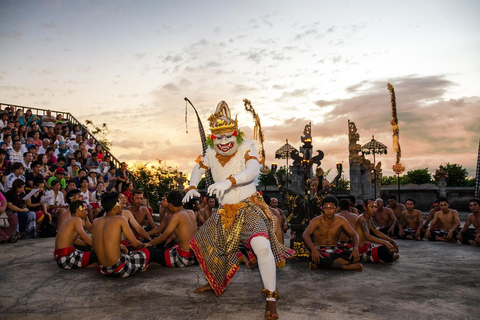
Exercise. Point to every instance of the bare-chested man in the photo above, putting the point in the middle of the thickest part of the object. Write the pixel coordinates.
(467, 235)
(368, 234)
(136, 228)
(167, 217)
(449, 223)
(345, 241)
(139, 211)
(431, 214)
(281, 215)
(384, 218)
(209, 209)
(397, 209)
(325, 229)
(194, 206)
(203, 200)
(106, 238)
(184, 225)
(411, 223)
(279, 219)
(65, 253)
(74, 195)
(353, 204)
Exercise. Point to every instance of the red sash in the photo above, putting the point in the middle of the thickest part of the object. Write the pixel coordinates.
(58, 253)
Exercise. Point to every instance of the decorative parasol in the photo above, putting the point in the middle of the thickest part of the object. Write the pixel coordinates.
(285, 151)
(374, 147)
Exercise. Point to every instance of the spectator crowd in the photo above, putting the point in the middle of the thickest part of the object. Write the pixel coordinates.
(42, 158)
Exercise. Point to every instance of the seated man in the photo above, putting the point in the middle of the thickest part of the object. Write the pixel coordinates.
(72, 195)
(449, 224)
(140, 212)
(167, 217)
(353, 204)
(397, 209)
(209, 209)
(384, 218)
(325, 229)
(184, 225)
(345, 241)
(467, 235)
(411, 223)
(282, 220)
(431, 214)
(106, 238)
(194, 205)
(136, 228)
(65, 253)
(367, 234)
(476, 241)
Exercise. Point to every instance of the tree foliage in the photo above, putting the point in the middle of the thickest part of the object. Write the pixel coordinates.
(419, 176)
(155, 180)
(457, 175)
(100, 133)
(268, 179)
(343, 185)
(388, 180)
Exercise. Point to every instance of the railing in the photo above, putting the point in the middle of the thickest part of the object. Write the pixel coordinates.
(66, 116)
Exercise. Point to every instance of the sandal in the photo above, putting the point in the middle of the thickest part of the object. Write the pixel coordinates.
(13, 239)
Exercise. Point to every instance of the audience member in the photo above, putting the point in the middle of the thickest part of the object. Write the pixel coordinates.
(27, 225)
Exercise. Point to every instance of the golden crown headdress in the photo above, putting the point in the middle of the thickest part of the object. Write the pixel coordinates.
(221, 121)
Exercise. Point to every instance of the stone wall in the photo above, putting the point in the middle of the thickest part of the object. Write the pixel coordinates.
(425, 194)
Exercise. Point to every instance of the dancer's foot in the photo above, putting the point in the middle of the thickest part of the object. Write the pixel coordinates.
(313, 266)
(204, 288)
(250, 264)
(271, 310)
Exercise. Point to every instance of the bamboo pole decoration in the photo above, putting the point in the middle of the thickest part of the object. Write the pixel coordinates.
(398, 168)
(257, 130)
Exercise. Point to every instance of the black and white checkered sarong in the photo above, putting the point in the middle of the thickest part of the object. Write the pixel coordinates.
(71, 258)
(127, 265)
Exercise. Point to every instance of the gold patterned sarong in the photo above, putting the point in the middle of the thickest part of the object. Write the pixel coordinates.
(216, 243)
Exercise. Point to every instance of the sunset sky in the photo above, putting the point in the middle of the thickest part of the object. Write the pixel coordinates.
(131, 63)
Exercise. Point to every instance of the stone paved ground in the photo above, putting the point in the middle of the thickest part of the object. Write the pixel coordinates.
(430, 281)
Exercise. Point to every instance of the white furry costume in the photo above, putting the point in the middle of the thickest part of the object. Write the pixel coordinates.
(243, 217)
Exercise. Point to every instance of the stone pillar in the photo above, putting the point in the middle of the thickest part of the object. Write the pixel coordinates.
(442, 175)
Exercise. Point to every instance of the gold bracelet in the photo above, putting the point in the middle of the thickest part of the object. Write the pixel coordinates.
(190, 188)
(232, 180)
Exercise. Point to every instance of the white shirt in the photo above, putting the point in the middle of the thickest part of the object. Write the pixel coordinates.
(10, 179)
(51, 200)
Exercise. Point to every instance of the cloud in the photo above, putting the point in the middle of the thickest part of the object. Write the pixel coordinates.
(171, 87)
(306, 33)
(42, 72)
(172, 58)
(294, 93)
(128, 144)
(49, 25)
(139, 56)
(426, 120)
(10, 35)
(331, 29)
